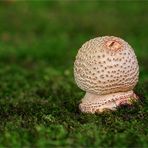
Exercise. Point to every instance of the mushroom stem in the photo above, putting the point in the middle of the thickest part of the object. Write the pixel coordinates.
(92, 103)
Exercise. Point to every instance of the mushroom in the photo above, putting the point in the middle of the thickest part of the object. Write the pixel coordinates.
(107, 69)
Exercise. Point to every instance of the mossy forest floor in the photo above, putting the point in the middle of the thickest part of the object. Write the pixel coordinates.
(38, 96)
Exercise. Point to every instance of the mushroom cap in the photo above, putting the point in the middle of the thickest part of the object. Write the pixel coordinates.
(106, 65)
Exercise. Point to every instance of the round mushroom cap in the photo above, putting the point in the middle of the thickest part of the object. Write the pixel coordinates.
(106, 65)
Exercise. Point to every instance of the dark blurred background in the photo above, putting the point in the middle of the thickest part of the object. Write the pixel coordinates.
(49, 28)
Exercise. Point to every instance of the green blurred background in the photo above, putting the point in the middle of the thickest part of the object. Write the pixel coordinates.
(38, 97)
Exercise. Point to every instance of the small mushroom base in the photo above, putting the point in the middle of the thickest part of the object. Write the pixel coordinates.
(92, 103)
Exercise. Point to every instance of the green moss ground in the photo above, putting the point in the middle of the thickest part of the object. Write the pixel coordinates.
(38, 97)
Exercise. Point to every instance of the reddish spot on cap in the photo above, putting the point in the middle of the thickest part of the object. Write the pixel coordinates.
(113, 45)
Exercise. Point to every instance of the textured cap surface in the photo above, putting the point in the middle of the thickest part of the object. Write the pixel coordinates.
(106, 65)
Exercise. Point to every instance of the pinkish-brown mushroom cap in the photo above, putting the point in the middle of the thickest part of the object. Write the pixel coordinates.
(106, 65)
